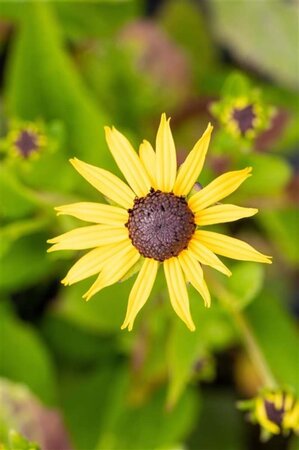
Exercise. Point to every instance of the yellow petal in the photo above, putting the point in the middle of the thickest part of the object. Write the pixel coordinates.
(219, 188)
(192, 166)
(114, 269)
(95, 212)
(263, 419)
(88, 237)
(222, 213)
(148, 158)
(230, 247)
(105, 182)
(92, 262)
(140, 291)
(193, 273)
(177, 291)
(165, 157)
(128, 161)
(205, 256)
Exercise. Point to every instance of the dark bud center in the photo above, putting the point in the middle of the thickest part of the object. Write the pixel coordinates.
(244, 118)
(27, 142)
(160, 225)
(274, 414)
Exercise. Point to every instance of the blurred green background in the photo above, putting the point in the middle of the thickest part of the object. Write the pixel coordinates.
(70, 379)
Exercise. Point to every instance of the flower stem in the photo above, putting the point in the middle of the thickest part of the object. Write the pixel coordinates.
(230, 303)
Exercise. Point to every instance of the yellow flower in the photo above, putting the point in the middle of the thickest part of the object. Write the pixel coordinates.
(155, 221)
(276, 411)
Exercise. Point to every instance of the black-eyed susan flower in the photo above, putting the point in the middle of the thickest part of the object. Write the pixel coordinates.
(276, 411)
(155, 222)
(26, 139)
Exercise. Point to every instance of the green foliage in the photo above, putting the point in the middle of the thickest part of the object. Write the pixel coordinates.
(24, 357)
(69, 69)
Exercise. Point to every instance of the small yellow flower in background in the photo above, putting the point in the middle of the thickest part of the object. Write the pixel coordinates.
(155, 221)
(276, 411)
(26, 140)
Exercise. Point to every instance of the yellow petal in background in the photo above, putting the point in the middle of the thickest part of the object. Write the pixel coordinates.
(177, 291)
(193, 273)
(206, 256)
(191, 167)
(114, 269)
(222, 213)
(148, 159)
(88, 237)
(105, 182)
(95, 212)
(219, 188)
(230, 247)
(140, 291)
(128, 162)
(165, 157)
(92, 262)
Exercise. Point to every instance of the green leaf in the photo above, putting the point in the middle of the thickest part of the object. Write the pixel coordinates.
(241, 25)
(16, 201)
(277, 336)
(270, 174)
(246, 282)
(25, 263)
(282, 227)
(185, 350)
(24, 358)
(146, 426)
(92, 20)
(104, 312)
(42, 80)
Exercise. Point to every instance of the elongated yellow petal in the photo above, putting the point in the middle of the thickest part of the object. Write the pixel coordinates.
(92, 262)
(147, 156)
(177, 291)
(192, 166)
(105, 182)
(205, 256)
(89, 237)
(193, 273)
(165, 157)
(128, 161)
(114, 269)
(222, 213)
(95, 212)
(140, 291)
(230, 247)
(219, 188)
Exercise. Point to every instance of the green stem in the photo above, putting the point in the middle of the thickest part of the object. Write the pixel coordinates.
(230, 303)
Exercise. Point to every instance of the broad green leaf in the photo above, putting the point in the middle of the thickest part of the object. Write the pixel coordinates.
(148, 425)
(93, 19)
(24, 358)
(73, 345)
(42, 80)
(186, 350)
(242, 27)
(282, 227)
(25, 263)
(246, 282)
(276, 334)
(16, 199)
(15, 230)
(270, 174)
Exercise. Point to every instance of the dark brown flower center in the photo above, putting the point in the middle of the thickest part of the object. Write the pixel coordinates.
(160, 225)
(274, 414)
(244, 118)
(27, 142)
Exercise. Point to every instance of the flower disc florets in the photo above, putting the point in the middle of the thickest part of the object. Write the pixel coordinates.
(244, 117)
(27, 142)
(160, 225)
